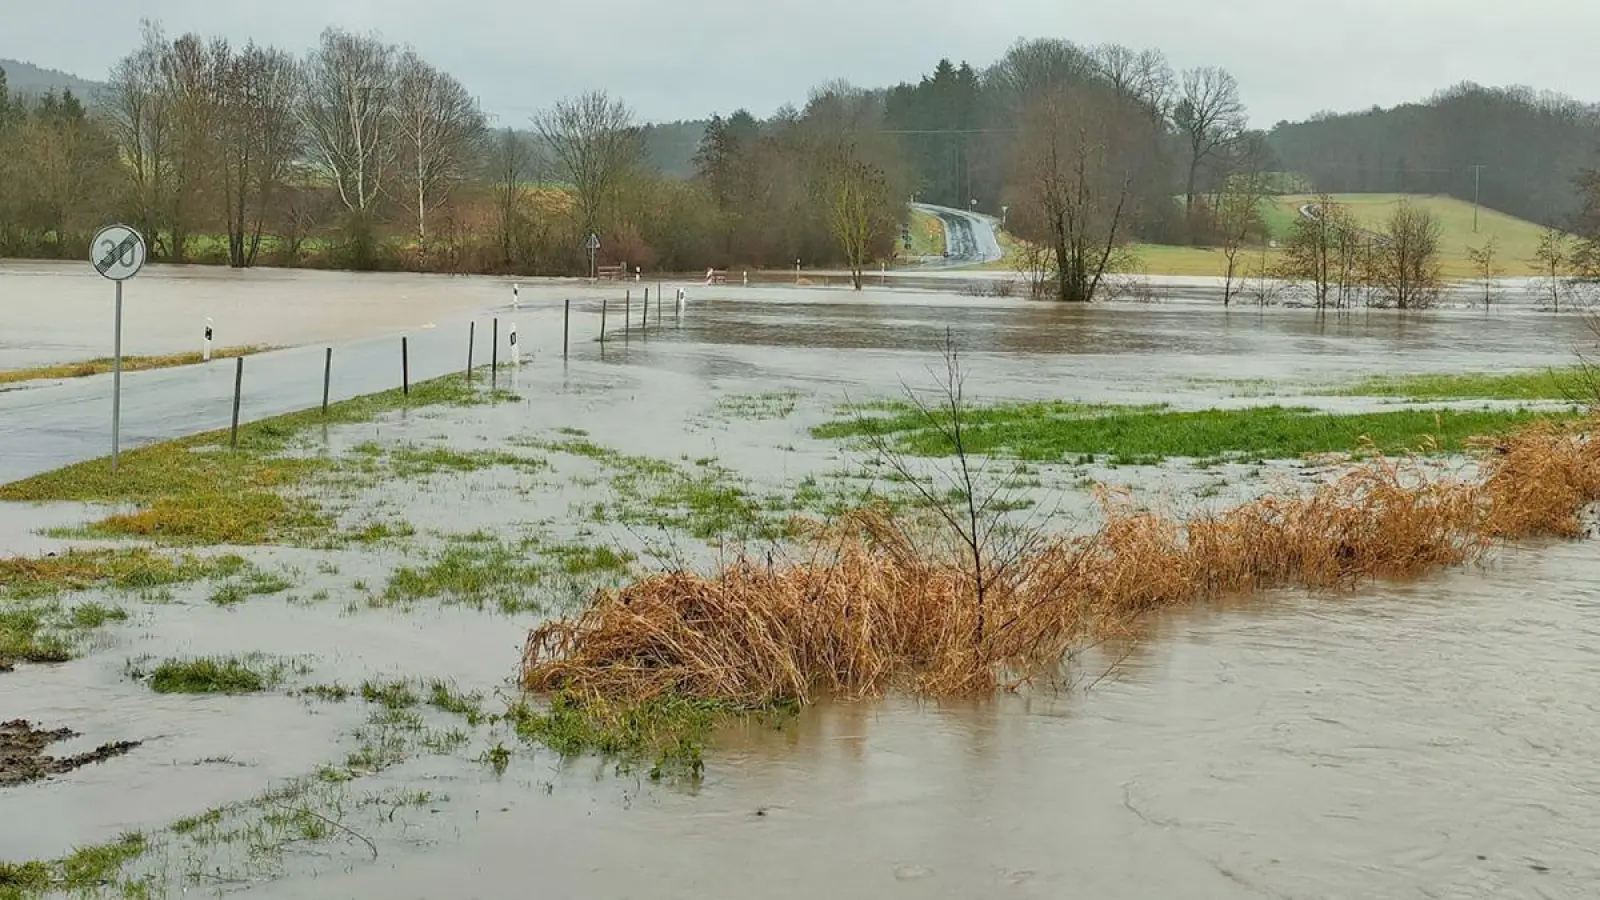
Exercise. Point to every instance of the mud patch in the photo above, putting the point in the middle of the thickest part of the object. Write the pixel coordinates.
(22, 756)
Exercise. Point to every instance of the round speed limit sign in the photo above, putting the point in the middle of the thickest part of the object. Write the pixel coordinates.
(117, 252)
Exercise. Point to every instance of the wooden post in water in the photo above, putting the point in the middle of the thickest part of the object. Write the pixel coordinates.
(238, 385)
(603, 304)
(405, 367)
(472, 332)
(494, 354)
(627, 315)
(566, 326)
(644, 314)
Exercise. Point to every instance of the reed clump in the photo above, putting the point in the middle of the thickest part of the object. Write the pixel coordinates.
(880, 603)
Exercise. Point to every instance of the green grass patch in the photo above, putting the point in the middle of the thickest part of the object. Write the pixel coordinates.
(86, 871)
(1573, 383)
(197, 490)
(247, 674)
(1049, 432)
(105, 364)
(140, 569)
(392, 694)
(473, 574)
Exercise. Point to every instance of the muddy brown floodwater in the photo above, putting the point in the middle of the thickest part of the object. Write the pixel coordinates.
(1428, 740)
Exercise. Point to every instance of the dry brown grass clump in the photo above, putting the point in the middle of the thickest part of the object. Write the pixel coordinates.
(882, 604)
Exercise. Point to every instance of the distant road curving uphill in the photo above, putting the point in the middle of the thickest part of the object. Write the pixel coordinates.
(969, 238)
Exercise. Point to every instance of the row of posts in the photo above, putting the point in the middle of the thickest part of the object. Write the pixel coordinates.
(679, 300)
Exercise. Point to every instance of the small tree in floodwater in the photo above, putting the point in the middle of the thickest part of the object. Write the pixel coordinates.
(1485, 261)
(855, 197)
(969, 502)
(1405, 264)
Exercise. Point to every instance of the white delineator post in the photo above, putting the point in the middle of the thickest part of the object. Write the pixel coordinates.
(516, 353)
(205, 347)
(516, 295)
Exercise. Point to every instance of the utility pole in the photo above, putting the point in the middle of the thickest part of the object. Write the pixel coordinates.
(1477, 172)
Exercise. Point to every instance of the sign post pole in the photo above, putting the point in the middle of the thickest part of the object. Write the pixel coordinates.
(117, 253)
(116, 385)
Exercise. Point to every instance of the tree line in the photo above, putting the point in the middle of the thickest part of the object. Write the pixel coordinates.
(360, 154)
(1515, 149)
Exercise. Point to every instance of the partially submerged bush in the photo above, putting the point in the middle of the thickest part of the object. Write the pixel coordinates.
(883, 603)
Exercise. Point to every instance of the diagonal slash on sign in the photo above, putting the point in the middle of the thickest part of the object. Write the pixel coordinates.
(110, 259)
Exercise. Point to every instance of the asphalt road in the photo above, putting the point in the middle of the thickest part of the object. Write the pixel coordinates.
(970, 238)
(49, 426)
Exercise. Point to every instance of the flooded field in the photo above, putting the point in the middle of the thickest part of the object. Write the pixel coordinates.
(1424, 739)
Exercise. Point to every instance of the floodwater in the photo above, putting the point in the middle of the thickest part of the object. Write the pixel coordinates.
(1433, 739)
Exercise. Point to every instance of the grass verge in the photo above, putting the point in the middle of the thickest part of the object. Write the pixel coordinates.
(129, 364)
(198, 491)
(1149, 435)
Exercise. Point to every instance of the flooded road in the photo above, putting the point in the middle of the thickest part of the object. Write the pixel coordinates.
(791, 337)
(1427, 740)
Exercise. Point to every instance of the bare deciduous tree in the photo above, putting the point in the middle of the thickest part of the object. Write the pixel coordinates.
(1554, 260)
(189, 89)
(348, 115)
(1320, 250)
(1076, 159)
(258, 138)
(510, 164)
(855, 195)
(1239, 212)
(439, 127)
(1405, 266)
(1142, 76)
(1486, 265)
(594, 145)
(140, 117)
(1210, 116)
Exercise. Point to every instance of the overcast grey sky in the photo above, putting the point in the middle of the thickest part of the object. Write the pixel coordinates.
(688, 58)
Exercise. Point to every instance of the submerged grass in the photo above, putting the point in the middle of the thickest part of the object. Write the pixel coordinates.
(248, 674)
(1574, 383)
(86, 871)
(704, 500)
(473, 574)
(1052, 432)
(26, 578)
(881, 603)
(197, 490)
(668, 732)
(757, 407)
(105, 364)
(36, 626)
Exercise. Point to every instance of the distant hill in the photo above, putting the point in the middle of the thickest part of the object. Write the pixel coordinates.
(30, 80)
